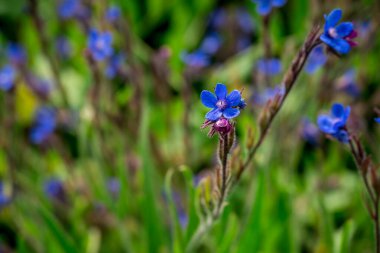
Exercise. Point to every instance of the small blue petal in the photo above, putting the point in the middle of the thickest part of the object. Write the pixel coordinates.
(278, 3)
(208, 99)
(264, 7)
(344, 29)
(337, 110)
(234, 98)
(342, 136)
(230, 113)
(220, 91)
(333, 18)
(338, 45)
(377, 120)
(214, 114)
(325, 124)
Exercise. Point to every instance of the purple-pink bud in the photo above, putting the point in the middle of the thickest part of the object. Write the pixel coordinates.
(222, 126)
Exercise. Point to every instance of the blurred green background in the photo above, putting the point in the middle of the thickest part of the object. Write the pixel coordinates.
(120, 171)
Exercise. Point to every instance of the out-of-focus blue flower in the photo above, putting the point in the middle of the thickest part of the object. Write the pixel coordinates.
(113, 13)
(44, 124)
(41, 86)
(221, 104)
(264, 7)
(16, 54)
(53, 188)
(69, 8)
(269, 93)
(338, 37)
(309, 132)
(114, 65)
(197, 59)
(316, 60)
(244, 20)
(211, 43)
(377, 119)
(218, 18)
(269, 67)
(335, 123)
(63, 47)
(113, 186)
(347, 83)
(4, 199)
(7, 77)
(100, 44)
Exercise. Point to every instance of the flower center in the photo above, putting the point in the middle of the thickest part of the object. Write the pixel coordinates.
(333, 33)
(221, 104)
(100, 44)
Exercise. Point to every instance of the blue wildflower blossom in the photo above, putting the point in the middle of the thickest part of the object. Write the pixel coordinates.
(347, 83)
(316, 60)
(221, 104)
(44, 124)
(69, 8)
(53, 188)
(335, 124)
(16, 54)
(7, 77)
(264, 7)
(113, 186)
(114, 65)
(197, 59)
(269, 67)
(100, 44)
(211, 43)
(4, 199)
(309, 132)
(113, 13)
(377, 119)
(338, 37)
(63, 47)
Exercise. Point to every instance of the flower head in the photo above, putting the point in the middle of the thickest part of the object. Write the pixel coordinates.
(264, 7)
(7, 77)
(211, 43)
(113, 186)
(113, 13)
(114, 65)
(269, 67)
(100, 44)
(16, 54)
(335, 123)
(197, 59)
(44, 124)
(377, 119)
(53, 188)
(338, 37)
(71, 8)
(316, 60)
(222, 105)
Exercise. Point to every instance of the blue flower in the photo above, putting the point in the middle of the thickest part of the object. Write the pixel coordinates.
(100, 44)
(197, 59)
(377, 119)
(113, 186)
(223, 104)
(316, 60)
(269, 67)
(218, 18)
(244, 20)
(114, 65)
(335, 124)
(4, 199)
(269, 93)
(44, 124)
(338, 37)
(7, 77)
(63, 47)
(113, 13)
(309, 132)
(69, 8)
(347, 83)
(16, 54)
(53, 188)
(211, 43)
(264, 7)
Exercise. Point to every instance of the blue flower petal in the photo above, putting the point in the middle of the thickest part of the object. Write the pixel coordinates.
(230, 113)
(214, 114)
(342, 136)
(325, 124)
(339, 45)
(220, 91)
(344, 29)
(208, 99)
(263, 7)
(234, 98)
(337, 110)
(377, 119)
(333, 18)
(278, 3)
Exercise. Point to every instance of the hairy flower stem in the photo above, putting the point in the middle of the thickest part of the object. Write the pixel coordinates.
(365, 167)
(39, 25)
(288, 81)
